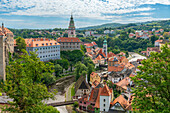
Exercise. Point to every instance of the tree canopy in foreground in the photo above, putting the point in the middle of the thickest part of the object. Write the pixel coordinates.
(152, 84)
(24, 85)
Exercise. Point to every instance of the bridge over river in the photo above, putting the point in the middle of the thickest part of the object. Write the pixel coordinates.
(56, 104)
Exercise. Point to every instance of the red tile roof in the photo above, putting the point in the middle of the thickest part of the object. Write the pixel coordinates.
(105, 91)
(123, 83)
(118, 68)
(39, 42)
(158, 40)
(88, 50)
(6, 31)
(121, 100)
(69, 39)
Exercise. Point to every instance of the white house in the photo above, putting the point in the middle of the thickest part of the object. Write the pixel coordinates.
(105, 99)
(46, 49)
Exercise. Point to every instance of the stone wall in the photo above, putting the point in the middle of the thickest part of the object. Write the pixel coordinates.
(62, 83)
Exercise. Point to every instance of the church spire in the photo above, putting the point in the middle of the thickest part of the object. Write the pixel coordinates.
(71, 28)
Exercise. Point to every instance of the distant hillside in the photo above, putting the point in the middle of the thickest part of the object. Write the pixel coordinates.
(163, 24)
(109, 25)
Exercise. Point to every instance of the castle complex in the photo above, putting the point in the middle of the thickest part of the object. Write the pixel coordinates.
(71, 42)
(6, 47)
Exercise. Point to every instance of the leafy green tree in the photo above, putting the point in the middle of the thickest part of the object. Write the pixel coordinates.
(90, 69)
(20, 42)
(76, 104)
(79, 68)
(83, 48)
(48, 78)
(154, 38)
(58, 70)
(87, 60)
(152, 91)
(24, 85)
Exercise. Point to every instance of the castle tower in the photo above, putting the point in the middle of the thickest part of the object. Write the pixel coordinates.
(105, 46)
(2, 55)
(6, 46)
(71, 28)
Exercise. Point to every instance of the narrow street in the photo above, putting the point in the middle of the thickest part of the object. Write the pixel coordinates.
(135, 56)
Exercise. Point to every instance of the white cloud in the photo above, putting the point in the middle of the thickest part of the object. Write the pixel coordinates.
(85, 8)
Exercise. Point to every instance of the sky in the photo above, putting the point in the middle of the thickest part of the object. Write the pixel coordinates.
(45, 14)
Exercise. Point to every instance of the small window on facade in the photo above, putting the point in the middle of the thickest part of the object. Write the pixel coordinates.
(104, 105)
(50, 43)
(104, 100)
(103, 109)
(43, 44)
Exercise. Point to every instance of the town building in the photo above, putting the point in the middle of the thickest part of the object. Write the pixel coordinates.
(6, 47)
(99, 98)
(89, 33)
(46, 49)
(120, 105)
(94, 77)
(152, 49)
(69, 43)
(81, 87)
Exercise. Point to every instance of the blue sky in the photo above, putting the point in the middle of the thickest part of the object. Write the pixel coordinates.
(56, 13)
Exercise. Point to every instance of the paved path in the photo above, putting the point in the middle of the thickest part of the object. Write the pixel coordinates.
(134, 56)
(68, 92)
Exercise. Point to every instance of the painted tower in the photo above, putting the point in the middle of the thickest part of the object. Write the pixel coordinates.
(6, 47)
(105, 46)
(71, 28)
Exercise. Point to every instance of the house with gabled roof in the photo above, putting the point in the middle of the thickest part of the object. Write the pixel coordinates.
(99, 98)
(120, 105)
(81, 87)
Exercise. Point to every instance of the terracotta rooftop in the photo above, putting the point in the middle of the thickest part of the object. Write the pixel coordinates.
(123, 83)
(105, 91)
(39, 42)
(68, 39)
(118, 68)
(158, 40)
(6, 31)
(93, 74)
(121, 100)
(88, 50)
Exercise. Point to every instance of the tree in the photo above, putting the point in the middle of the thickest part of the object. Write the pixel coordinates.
(76, 104)
(152, 91)
(83, 48)
(48, 78)
(25, 87)
(90, 69)
(20, 42)
(58, 69)
(154, 38)
(87, 60)
(79, 68)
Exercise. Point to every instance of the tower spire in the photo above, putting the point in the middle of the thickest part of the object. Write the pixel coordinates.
(71, 28)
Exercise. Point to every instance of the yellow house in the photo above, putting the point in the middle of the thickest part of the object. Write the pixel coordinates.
(94, 76)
